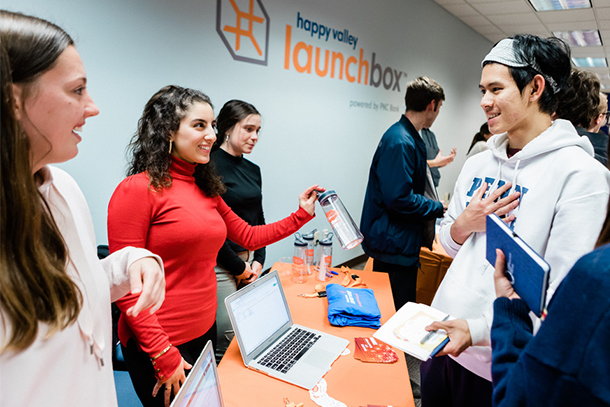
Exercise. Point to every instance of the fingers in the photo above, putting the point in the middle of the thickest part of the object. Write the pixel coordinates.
(135, 278)
(480, 192)
(186, 365)
(505, 205)
(436, 325)
(168, 393)
(504, 287)
(313, 190)
(500, 264)
(158, 386)
(152, 289)
(145, 299)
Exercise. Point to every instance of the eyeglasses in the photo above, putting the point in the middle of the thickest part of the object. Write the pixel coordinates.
(607, 116)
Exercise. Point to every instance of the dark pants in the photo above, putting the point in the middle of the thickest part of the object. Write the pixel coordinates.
(142, 372)
(445, 383)
(403, 281)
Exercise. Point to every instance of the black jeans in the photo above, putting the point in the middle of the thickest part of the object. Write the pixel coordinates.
(403, 281)
(142, 372)
(445, 383)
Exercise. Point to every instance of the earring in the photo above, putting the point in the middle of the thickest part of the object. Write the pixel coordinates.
(170, 146)
(227, 138)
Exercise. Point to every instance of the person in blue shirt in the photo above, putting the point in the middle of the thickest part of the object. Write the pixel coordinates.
(396, 210)
(567, 362)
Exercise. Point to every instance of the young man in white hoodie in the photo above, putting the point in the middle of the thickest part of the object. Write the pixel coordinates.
(542, 177)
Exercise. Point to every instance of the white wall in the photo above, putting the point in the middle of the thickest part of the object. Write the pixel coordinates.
(310, 134)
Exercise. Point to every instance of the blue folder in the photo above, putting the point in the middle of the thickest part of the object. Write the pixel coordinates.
(527, 270)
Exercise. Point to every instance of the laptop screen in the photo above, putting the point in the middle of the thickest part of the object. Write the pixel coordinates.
(260, 313)
(201, 387)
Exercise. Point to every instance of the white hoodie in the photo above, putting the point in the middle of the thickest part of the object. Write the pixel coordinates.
(563, 203)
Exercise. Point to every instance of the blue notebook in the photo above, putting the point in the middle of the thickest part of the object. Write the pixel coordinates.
(527, 270)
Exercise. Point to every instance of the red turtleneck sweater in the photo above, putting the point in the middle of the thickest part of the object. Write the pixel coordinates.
(187, 229)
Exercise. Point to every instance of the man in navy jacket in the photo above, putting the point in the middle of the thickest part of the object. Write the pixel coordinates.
(395, 208)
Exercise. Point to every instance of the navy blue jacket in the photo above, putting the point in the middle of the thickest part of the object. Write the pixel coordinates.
(567, 363)
(395, 208)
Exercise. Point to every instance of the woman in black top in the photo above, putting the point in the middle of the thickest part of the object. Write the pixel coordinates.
(238, 125)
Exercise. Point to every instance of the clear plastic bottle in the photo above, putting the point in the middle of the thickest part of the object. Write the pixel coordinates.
(342, 223)
(299, 273)
(325, 257)
(309, 239)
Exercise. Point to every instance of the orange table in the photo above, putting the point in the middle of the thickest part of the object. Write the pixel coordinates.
(350, 381)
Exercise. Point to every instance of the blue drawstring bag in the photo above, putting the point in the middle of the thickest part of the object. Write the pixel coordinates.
(352, 307)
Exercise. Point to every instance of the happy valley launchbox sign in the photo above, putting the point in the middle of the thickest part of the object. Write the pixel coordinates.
(310, 47)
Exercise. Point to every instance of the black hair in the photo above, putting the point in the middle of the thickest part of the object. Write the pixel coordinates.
(480, 136)
(549, 57)
(231, 113)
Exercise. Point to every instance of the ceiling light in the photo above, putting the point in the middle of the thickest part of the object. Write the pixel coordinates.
(589, 62)
(586, 38)
(547, 5)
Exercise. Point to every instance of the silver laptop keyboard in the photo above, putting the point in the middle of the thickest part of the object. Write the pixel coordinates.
(286, 353)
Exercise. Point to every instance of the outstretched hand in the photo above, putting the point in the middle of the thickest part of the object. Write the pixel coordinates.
(307, 198)
(442, 160)
(474, 217)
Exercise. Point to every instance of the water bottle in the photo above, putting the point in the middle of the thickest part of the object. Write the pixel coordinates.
(342, 223)
(325, 256)
(309, 239)
(299, 273)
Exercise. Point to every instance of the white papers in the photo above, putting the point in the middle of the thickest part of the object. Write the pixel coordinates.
(406, 330)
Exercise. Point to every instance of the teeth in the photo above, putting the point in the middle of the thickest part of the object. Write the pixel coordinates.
(78, 129)
(493, 115)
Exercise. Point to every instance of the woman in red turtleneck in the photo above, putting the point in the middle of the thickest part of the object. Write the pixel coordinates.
(160, 207)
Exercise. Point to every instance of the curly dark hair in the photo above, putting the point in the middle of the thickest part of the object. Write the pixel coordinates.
(580, 104)
(149, 146)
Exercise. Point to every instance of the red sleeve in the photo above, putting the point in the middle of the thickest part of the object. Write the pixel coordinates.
(129, 227)
(254, 237)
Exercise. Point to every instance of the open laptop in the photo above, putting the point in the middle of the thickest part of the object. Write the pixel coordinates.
(262, 322)
(201, 387)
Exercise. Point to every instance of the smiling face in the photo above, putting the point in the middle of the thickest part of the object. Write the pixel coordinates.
(507, 109)
(54, 108)
(243, 136)
(193, 140)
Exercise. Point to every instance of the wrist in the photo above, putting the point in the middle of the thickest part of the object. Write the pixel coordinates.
(458, 233)
(166, 362)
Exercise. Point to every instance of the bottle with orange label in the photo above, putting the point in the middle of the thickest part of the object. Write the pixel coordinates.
(309, 239)
(299, 273)
(342, 223)
(325, 256)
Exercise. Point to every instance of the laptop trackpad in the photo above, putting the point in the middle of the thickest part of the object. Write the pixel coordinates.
(319, 358)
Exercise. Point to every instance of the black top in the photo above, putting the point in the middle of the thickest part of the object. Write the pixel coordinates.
(600, 144)
(244, 196)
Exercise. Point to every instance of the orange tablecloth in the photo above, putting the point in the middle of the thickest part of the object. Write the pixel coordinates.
(350, 381)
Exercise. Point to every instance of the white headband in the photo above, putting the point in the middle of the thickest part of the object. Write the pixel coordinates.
(504, 53)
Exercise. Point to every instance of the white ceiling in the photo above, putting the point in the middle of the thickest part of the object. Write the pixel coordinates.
(498, 19)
